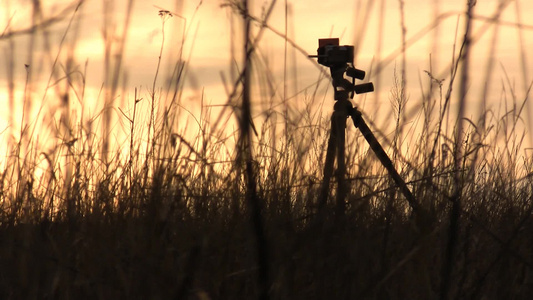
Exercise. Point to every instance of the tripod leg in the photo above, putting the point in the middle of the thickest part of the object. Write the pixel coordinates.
(340, 125)
(328, 166)
(386, 162)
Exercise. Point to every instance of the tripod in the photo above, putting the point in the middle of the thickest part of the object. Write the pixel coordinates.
(343, 108)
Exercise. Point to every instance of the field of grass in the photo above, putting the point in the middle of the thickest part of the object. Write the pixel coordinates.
(235, 214)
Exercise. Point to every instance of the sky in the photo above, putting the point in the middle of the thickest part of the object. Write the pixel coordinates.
(209, 40)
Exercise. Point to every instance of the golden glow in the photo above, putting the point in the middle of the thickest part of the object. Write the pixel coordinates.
(209, 38)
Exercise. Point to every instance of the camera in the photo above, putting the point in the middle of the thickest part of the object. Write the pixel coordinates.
(339, 59)
(330, 54)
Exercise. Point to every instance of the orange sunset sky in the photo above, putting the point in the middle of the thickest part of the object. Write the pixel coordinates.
(208, 43)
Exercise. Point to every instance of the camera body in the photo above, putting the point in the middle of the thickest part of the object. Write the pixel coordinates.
(330, 54)
(339, 60)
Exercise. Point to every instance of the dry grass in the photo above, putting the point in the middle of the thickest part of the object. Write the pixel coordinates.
(170, 215)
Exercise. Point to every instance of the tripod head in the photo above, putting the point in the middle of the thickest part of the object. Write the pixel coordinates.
(339, 59)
